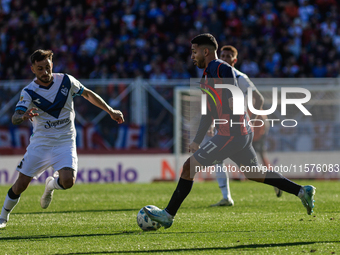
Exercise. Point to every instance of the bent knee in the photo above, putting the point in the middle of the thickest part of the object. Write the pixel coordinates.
(189, 171)
(68, 183)
(186, 169)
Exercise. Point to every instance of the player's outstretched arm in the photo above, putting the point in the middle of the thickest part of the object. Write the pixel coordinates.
(19, 116)
(259, 100)
(96, 100)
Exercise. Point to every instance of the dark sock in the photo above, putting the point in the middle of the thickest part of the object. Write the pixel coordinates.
(11, 194)
(279, 181)
(182, 190)
(58, 181)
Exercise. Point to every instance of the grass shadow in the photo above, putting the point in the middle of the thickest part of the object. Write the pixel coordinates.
(81, 211)
(245, 246)
(64, 236)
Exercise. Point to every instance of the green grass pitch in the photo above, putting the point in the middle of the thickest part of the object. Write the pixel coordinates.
(101, 219)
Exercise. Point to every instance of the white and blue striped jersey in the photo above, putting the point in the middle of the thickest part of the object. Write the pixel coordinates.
(55, 123)
(243, 81)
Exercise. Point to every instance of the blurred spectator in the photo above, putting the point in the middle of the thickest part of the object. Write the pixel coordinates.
(328, 27)
(157, 74)
(291, 9)
(228, 6)
(249, 67)
(319, 70)
(129, 19)
(336, 40)
(306, 10)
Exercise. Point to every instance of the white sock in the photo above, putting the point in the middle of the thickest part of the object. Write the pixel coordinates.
(8, 206)
(54, 184)
(223, 181)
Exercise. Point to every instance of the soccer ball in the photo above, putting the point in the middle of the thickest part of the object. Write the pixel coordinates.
(144, 222)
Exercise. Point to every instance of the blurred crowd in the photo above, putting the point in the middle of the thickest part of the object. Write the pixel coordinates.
(151, 39)
(101, 39)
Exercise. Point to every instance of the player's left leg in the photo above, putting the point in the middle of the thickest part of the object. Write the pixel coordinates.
(65, 180)
(65, 160)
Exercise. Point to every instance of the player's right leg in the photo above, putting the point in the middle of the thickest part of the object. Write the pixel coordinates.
(165, 217)
(209, 154)
(13, 197)
(247, 158)
(65, 180)
(35, 162)
(260, 148)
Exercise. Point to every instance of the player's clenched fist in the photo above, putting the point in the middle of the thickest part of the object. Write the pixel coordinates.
(117, 116)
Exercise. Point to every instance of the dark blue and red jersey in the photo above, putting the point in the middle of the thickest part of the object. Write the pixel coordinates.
(219, 72)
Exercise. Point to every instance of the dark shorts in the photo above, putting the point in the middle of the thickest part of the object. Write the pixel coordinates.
(238, 148)
(260, 145)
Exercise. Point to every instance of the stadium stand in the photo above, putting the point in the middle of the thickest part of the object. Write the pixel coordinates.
(125, 39)
(97, 39)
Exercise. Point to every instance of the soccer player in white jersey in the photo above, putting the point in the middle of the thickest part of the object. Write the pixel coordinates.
(48, 103)
(229, 54)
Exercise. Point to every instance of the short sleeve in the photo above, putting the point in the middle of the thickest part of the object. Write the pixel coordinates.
(76, 87)
(25, 102)
(244, 83)
(225, 72)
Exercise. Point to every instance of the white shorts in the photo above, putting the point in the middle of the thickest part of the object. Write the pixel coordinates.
(40, 157)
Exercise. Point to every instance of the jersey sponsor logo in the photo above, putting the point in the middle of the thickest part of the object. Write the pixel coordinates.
(37, 101)
(64, 91)
(55, 124)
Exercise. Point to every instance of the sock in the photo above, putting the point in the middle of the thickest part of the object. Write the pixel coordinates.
(301, 193)
(182, 190)
(279, 181)
(11, 201)
(223, 181)
(54, 184)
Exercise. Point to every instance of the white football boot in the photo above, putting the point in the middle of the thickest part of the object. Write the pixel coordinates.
(46, 198)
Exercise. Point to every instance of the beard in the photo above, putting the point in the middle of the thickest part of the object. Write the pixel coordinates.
(47, 79)
(200, 64)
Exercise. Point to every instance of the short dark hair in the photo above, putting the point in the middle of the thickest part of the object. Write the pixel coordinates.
(40, 55)
(230, 48)
(205, 39)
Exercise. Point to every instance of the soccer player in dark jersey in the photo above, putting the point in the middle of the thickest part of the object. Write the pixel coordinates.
(234, 142)
(229, 54)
